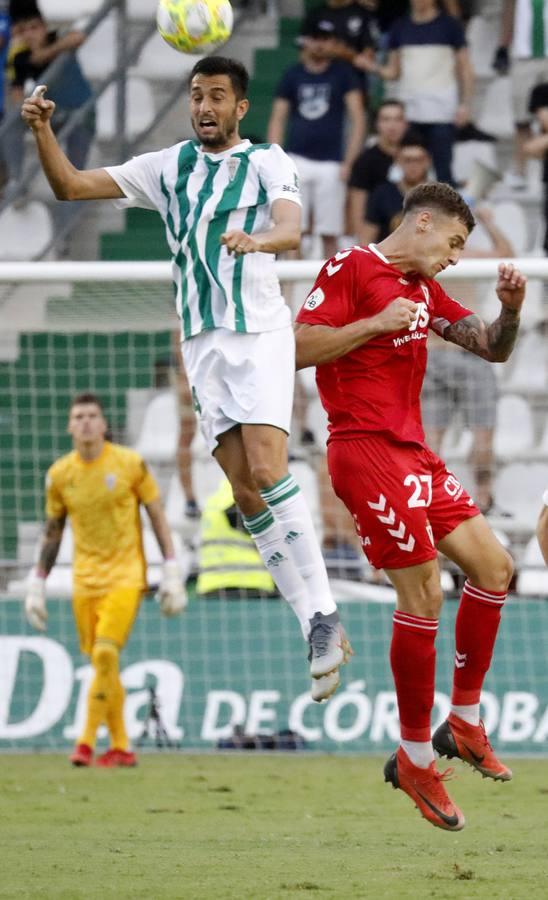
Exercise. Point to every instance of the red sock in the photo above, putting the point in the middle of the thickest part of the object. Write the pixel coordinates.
(475, 634)
(413, 661)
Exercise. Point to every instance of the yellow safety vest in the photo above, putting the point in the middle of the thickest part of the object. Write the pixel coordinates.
(227, 557)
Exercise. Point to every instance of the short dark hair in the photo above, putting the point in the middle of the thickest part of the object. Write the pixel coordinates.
(26, 14)
(87, 398)
(223, 65)
(413, 138)
(390, 101)
(441, 197)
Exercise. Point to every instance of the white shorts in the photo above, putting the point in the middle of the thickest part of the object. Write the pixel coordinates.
(322, 194)
(241, 379)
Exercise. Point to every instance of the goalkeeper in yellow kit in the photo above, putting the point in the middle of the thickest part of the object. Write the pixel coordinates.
(100, 487)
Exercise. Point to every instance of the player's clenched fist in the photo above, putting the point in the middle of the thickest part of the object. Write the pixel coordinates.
(239, 242)
(36, 111)
(511, 286)
(401, 313)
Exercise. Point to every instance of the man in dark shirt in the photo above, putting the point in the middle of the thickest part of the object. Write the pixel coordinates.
(372, 166)
(69, 90)
(308, 115)
(385, 204)
(348, 23)
(429, 57)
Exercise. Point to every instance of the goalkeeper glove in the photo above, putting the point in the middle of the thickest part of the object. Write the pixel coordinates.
(35, 601)
(171, 593)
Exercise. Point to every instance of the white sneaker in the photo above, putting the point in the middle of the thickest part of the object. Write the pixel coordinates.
(329, 645)
(323, 687)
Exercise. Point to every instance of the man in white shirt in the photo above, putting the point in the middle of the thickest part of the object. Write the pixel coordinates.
(228, 207)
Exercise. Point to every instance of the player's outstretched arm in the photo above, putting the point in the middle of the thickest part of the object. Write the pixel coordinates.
(320, 344)
(494, 342)
(35, 598)
(67, 182)
(171, 594)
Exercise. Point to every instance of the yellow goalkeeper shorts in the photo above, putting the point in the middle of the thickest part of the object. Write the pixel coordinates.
(109, 616)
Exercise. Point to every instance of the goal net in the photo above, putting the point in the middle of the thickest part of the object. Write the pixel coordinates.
(235, 662)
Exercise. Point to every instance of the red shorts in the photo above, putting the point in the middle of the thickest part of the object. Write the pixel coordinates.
(402, 498)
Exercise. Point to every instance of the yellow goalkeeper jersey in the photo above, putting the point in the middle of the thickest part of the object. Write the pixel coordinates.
(102, 499)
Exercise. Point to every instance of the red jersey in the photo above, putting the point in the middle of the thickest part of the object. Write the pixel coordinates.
(377, 386)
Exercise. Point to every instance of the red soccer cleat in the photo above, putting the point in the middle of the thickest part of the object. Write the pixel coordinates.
(117, 758)
(82, 755)
(455, 737)
(426, 789)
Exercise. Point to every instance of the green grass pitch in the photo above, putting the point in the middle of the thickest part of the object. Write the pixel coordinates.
(252, 826)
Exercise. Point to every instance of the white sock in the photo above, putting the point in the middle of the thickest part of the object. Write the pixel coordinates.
(421, 753)
(289, 507)
(469, 713)
(269, 540)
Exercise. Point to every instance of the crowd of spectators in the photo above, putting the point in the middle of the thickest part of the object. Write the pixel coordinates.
(410, 62)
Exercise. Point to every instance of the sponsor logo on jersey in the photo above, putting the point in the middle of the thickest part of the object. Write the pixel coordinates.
(414, 336)
(233, 164)
(110, 481)
(314, 299)
(426, 292)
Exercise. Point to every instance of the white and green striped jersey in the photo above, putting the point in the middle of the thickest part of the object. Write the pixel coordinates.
(530, 29)
(199, 196)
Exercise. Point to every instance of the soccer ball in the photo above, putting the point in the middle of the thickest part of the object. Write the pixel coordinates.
(194, 26)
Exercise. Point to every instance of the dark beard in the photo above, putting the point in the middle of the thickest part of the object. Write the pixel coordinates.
(220, 139)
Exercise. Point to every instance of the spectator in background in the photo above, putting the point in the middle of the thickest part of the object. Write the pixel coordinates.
(429, 58)
(349, 24)
(69, 90)
(187, 430)
(537, 147)
(459, 382)
(373, 165)
(310, 105)
(385, 203)
(229, 563)
(524, 32)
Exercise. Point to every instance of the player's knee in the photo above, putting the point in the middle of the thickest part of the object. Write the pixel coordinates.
(431, 601)
(423, 600)
(504, 571)
(494, 571)
(246, 497)
(104, 657)
(263, 475)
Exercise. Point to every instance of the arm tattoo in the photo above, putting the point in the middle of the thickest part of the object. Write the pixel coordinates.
(493, 342)
(51, 542)
(502, 334)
